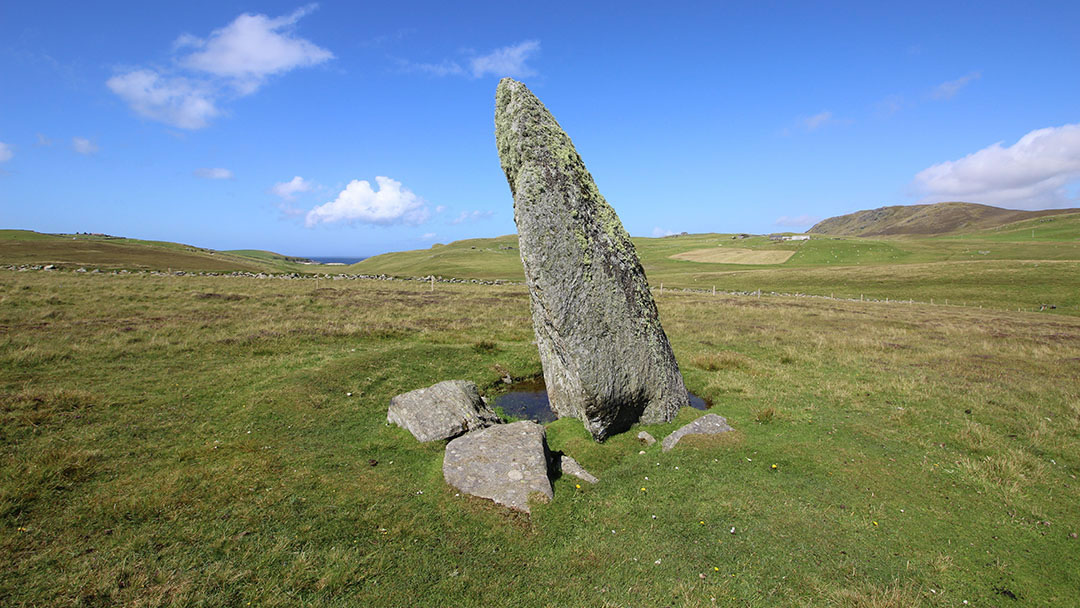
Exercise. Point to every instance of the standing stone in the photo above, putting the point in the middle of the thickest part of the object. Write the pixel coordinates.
(606, 359)
(507, 463)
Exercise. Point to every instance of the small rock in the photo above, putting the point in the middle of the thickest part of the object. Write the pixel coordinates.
(571, 467)
(441, 411)
(646, 437)
(709, 424)
(505, 463)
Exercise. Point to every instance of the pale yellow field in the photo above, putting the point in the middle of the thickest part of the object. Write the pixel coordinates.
(723, 255)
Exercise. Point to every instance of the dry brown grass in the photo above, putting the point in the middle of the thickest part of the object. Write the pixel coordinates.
(733, 255)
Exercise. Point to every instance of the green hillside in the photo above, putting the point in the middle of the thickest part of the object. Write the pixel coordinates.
(26, 247)
(937, 218)
(1001, 267)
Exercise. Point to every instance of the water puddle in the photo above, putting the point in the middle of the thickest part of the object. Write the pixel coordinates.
(528, 400)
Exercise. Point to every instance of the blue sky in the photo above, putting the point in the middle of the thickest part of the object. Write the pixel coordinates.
(357, 128)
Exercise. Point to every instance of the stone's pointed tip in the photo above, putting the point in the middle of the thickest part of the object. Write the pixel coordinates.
(508, 83)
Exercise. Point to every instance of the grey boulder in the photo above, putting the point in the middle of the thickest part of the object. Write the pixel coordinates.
(507, 463)
(606, 358)
(646, 437)
(569, 466)
(441, 411)
(709, 424)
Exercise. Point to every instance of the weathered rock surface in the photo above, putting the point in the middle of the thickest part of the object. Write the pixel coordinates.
(606, 358)
(506, 463)
(569, 466)
(646, 437)
(709, 424)
(441, 411)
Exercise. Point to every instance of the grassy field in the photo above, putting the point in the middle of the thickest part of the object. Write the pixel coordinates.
(221, 441)
(1005, 267)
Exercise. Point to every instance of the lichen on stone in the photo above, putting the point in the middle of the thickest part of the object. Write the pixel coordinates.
(606, 358)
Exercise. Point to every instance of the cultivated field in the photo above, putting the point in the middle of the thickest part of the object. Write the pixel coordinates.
(734, 255)
(221, 441)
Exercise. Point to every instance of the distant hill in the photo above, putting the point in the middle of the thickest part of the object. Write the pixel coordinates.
(111, 252)
(926, 220)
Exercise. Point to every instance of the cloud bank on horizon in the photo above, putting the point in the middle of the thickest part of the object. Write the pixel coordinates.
(234, 61)
(1033, 173)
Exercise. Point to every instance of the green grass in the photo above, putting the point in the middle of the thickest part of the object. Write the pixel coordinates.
(191, 441)
(993, 269)
(1002, 267)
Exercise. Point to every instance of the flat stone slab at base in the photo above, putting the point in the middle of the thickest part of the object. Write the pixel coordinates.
(506, 463)
(709, 424)
(441, 411)
(569, 466)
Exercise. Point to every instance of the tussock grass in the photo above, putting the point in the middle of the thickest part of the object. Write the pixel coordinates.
(162, 448)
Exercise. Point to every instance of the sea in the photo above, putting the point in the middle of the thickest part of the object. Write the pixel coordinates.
(336, 260)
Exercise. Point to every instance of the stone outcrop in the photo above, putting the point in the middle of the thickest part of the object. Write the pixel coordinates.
(646, 437)
(606, 358)
(507, 463)
(709, 424)
(441, 411)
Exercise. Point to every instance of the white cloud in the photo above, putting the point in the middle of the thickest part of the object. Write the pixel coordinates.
(947, 90)
(172, 100)
(213, 173)
(505, 61)
(390, 204)
(471, 216)
(440, 208)
(84, 146)
(428, 236)
(797, 221)
(817, 120)
(234, 60)
(6, 153)
(251, 48)
(658, 232)
(287, 190)
(1033, 173)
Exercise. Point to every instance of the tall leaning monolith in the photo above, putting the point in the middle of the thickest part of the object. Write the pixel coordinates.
(606, 359)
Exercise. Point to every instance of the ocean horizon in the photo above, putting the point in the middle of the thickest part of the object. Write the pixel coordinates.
(335, 260)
